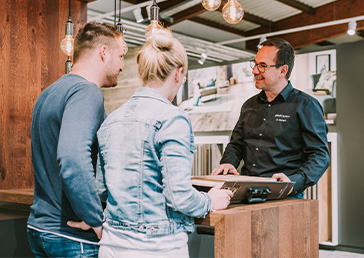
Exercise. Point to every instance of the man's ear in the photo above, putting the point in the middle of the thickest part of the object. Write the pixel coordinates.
(284, 70)
(103, 52)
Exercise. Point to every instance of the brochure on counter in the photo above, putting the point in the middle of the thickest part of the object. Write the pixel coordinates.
(246, 189)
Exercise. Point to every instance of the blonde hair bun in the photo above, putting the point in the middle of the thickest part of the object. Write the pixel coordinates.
(161, 40)
(160, 55)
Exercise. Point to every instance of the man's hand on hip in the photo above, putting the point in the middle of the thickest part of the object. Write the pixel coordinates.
(82, 225)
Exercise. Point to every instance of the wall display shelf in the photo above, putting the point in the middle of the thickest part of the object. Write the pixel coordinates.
(209, 150)
(326, 192)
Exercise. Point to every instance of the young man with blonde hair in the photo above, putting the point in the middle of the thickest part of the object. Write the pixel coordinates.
(66, 215)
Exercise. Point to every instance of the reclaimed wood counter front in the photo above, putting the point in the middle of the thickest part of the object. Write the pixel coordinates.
(282, 228)
(23, 196)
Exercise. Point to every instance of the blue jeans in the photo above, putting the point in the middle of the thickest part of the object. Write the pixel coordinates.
(50, 245)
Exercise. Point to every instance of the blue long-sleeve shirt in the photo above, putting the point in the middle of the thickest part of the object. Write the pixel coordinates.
(65, 120)
(288, 135)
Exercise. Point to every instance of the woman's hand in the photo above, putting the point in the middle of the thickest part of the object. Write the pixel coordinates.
(220, 197)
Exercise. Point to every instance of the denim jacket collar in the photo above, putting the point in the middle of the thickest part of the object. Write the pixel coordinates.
(146, 92)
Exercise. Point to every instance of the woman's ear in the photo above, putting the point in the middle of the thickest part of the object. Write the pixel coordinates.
(178, 73)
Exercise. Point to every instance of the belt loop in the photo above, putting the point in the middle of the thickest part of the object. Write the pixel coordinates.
(81, 247)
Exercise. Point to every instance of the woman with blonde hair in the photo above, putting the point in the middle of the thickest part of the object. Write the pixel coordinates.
(145, 158)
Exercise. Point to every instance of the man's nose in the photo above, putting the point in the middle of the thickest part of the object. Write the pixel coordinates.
(255, 70)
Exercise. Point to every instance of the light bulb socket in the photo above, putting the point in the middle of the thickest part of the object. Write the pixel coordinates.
(154, 12)
(69, 65)
(69, 27)
(120, 27)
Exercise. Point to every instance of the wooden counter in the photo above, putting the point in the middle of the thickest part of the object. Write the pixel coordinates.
(24, 196)
(282, 228)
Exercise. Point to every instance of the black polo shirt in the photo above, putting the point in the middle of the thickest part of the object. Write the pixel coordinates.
(288, 135)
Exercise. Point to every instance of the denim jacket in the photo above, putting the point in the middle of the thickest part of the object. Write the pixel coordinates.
(144, 168)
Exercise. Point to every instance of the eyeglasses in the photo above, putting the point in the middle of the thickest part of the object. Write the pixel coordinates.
(261, 67)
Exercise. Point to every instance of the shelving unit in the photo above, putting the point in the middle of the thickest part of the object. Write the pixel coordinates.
(326, 192)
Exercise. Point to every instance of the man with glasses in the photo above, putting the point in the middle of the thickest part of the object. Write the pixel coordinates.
(281, 132)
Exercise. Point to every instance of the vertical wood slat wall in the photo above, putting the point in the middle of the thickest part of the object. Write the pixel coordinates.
(30, 60)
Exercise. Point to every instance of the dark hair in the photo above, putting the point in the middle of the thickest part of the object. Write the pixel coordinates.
(93, 34)
(285, 55)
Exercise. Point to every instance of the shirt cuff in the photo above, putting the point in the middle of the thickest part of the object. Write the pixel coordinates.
(298, 187)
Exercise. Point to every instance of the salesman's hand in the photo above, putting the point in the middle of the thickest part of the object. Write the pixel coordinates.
(283, 178)
(220, 197)
(224, 169)
(82, 225)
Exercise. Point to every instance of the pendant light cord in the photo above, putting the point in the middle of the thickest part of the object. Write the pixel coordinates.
(119, 10)
(115, 13)
(69, 9)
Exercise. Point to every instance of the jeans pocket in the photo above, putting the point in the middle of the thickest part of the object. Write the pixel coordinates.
(35, 244)
(56, 246)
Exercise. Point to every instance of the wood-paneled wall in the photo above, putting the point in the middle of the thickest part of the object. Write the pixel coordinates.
(30, 60)
(128, 82)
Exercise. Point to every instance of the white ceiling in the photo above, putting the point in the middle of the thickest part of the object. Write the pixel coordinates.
(196, 37)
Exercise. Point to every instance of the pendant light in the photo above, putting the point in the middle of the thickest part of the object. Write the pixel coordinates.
(119, 26)
(233, 12)
(69, 64)
(67, 44)
(211, 5)
(154, 20)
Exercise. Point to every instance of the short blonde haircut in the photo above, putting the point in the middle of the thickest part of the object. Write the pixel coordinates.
(93, 34)
(160, 55)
